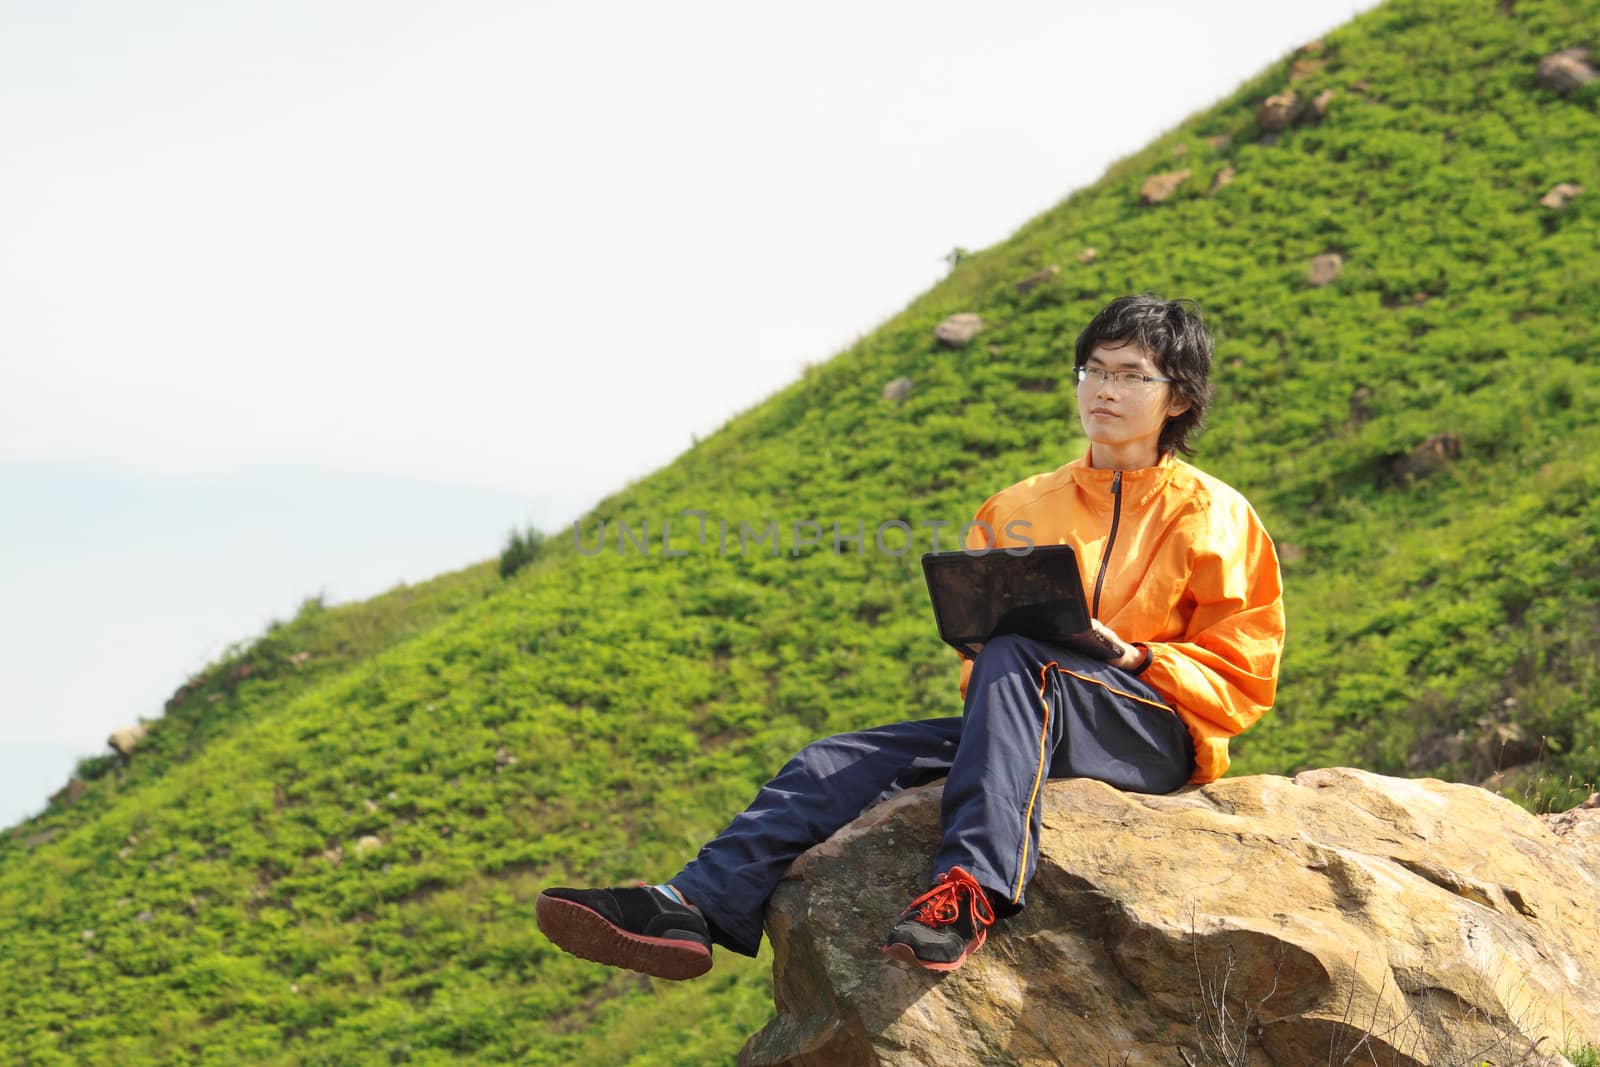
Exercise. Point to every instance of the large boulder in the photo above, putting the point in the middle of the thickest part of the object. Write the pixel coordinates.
(1338, 916)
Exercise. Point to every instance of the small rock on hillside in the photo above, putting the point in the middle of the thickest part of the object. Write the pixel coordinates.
(127, 739)
(958, 330)
(1160, 187)
(1560, 195)
(1566, 70)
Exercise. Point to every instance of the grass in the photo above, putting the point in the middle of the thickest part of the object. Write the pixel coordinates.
(590, 719)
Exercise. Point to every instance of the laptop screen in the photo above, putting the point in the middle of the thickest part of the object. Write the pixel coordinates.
(1037, 594)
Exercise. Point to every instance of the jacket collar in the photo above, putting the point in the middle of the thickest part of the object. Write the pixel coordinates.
(1138, 486)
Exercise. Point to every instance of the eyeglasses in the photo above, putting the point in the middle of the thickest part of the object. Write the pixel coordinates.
(1118, 377)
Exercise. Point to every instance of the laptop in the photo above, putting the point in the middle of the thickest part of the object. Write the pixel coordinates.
(1037, 594)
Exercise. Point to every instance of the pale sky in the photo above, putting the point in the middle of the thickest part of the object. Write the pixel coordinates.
(328, 296)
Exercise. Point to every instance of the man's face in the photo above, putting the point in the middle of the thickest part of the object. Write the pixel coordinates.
(1125, 413)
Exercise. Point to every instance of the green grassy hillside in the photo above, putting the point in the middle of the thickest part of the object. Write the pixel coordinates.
(595, 717)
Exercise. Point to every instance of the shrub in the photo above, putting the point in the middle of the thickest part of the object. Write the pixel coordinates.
(522, 548)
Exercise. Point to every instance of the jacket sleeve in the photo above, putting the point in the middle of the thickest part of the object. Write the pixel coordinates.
(1224, 670)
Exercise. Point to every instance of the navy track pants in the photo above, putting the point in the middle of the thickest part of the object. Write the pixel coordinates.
(1033, 711)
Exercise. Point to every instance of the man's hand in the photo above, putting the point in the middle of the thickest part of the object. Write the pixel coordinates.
(1130, 657)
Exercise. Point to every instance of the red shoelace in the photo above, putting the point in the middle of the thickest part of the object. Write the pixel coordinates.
(941, 905)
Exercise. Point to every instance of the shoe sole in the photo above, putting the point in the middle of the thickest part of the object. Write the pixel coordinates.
(585, 932)
(899, 950)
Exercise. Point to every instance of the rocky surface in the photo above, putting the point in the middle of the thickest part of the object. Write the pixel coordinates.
(1256, 920)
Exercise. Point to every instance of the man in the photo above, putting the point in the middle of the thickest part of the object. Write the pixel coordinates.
(1181, 577)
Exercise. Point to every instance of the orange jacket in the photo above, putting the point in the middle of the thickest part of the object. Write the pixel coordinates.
(1190, 572)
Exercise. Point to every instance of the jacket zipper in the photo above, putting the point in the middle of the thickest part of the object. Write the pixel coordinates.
(1105, 559)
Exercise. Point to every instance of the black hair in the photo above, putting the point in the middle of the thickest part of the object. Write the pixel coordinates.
(1176, 338)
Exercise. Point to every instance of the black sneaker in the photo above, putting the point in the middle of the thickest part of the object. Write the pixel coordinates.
(943, 926)
(641, 929)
